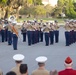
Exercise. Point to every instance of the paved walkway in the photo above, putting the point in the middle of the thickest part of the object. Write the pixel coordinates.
(55, 53)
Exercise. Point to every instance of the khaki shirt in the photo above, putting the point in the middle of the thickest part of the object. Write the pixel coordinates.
(67, 27)
(23, 26)
(40, 72)
(29, 28)
(9, 28)
(16, 70)
(1, 27)
(74, 27)
(1, 73)
(56, 27)
(46, 29)
(52, 28)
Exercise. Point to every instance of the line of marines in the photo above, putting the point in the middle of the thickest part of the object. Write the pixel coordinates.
(33, 30)
(9, 33)
(70, 32)
(36, 31)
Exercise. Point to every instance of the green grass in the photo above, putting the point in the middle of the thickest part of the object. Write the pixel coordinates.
(61, 20)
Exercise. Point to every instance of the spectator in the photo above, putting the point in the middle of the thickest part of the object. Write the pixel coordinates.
(11, 73)
(1, 73)
(68, 68)
(54, 72)
(23, 69)
(41, 70)
(18, 59)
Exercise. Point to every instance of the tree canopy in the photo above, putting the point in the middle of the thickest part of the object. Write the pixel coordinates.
(35, 7)
(68, 7)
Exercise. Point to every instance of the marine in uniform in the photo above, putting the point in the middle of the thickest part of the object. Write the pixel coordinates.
(75, 31)
(0, 33)
(23, 31)
(41, 32)
(6, 29)
(3, 31)
(29, 33)
(46, 30)
(9, 33)
(36, 32)
(33, 27)
(67, 33)
(56, 32)
(71, 32)
(52, 28)
(41, 63)
(68, 68)
(18, 59)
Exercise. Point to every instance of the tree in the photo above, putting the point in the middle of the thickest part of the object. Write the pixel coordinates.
(70, 12)
(2, 5)
(67, 7)
(48, 9)
(11, 5)
(40, 10)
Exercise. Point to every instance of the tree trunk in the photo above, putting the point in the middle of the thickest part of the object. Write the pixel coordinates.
(6, 14)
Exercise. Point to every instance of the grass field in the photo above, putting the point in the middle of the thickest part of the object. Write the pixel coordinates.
(61, 20)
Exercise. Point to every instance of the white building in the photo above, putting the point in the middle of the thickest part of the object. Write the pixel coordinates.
(51, 2)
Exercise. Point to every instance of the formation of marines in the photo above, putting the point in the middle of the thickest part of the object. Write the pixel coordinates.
(70, 32)
(37, 32)
(9, 33)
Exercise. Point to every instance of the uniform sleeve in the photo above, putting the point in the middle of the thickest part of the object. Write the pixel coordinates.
(32, 73)
(1, 73)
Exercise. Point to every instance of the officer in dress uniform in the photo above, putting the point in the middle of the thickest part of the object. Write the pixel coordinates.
(9, 33)
(68, 68)
(15, 35)
(56, 32)
(41, 63)
(46, 30)
(18, 59)
(52, 28)
(23, 29)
